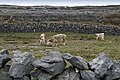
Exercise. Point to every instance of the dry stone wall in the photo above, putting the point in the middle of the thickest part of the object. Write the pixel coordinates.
(80, 19)
(52, 66)
(59, 27)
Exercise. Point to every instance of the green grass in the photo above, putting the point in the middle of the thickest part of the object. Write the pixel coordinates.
(83, 45)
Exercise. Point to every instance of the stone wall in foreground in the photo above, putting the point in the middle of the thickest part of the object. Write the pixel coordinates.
(59, 27)
(52, 66)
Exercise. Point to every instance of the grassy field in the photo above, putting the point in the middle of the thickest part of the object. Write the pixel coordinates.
(83, 45)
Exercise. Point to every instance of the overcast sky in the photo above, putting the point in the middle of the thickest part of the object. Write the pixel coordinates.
(60, 2)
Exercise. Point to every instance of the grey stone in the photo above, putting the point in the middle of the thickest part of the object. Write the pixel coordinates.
(101, 64)
(88, 75)
(17, 52)
(21, 65)
(41, 74)
(4, 58)
(53, 63)
(114, 71)
(4, 75)
(68, 74)
(76, 61)
(23, 78)
(4, 51)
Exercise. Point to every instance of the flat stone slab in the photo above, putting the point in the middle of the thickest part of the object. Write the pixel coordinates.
(76, 61)
(53, 63)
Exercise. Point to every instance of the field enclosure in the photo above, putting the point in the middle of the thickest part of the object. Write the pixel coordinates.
(83, 45)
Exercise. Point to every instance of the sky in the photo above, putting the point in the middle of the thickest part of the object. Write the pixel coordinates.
(61, 2)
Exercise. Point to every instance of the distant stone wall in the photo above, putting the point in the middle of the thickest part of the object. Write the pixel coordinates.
(57, 17)
(59, 27)
(39, 18)
(52, 66)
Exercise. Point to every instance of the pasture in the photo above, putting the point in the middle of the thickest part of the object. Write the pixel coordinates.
(78, 44)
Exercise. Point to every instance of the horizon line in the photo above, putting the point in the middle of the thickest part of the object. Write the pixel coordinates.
(57, 5)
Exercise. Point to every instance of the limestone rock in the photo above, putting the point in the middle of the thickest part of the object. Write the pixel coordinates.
(101, 64)
(114, 71)
(68, 74)
(76, 61)
(41, 74)
(21, 65)
(53, 63)
(88, 75)
(4, 58)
